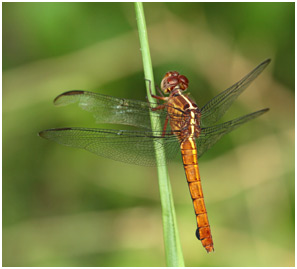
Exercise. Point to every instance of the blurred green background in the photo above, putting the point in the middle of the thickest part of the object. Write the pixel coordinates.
(68, 207)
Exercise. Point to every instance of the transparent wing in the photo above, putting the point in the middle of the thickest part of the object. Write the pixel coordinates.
(120, 145)
(216, 107)
(210, 135)
(108, 109)
(138, 147)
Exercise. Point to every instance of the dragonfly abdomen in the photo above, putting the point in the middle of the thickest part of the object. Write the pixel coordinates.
(189, 155)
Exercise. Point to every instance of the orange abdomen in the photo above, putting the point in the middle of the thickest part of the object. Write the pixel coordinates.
(189, 155)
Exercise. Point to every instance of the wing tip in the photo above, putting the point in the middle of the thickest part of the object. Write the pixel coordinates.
(264, 110)
(69, 93)
(44, 133)
(265, 63)
(41, 134)
(268, 60)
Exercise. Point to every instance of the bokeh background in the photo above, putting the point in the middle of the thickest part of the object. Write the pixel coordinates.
(67, 207)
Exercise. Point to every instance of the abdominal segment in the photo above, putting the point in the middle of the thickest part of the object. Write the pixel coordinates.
(189, 155)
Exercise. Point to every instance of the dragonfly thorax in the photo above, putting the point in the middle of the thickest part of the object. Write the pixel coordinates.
(173, 80)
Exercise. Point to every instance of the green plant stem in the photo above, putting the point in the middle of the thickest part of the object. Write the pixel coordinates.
(173, 250)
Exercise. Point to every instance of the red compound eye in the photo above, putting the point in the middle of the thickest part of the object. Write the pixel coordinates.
(171, 74)
(174, 74)
(172, 80)
(183, 79)
(183, 82)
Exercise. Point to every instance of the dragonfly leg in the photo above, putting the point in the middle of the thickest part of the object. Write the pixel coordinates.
(159, 90)
(166, 119)
(165, 125)
(163, 98)
(160, 107)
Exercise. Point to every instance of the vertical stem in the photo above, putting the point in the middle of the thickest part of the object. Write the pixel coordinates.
(173, 250)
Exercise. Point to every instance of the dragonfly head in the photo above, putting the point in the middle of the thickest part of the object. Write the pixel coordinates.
(173, 80)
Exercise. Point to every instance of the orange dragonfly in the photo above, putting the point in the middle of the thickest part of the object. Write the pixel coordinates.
(186, 128)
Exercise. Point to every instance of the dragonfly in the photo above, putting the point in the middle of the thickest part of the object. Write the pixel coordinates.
(184, 128)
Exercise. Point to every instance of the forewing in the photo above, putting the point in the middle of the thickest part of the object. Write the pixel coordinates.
(120, 145)
(108, 109)
(216, 107)
(210, 135)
